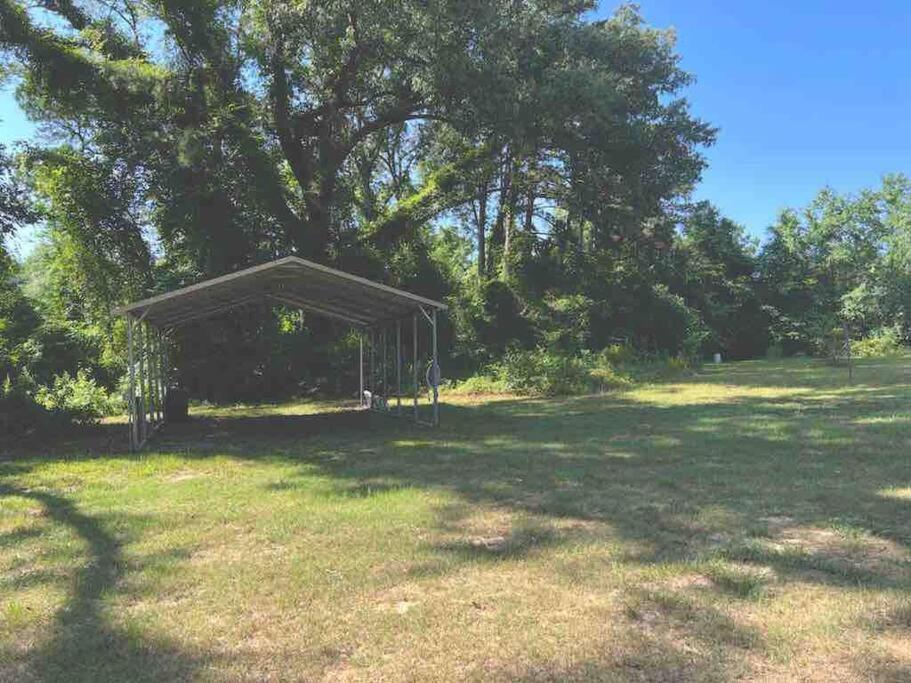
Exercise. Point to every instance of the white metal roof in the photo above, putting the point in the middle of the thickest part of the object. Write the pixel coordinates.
(291, 281)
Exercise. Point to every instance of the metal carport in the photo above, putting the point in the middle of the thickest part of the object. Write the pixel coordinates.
(372, 308)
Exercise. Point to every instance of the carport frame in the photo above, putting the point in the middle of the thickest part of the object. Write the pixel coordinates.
(371, 308)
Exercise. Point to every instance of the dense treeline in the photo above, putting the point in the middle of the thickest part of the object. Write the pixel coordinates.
(528, 165)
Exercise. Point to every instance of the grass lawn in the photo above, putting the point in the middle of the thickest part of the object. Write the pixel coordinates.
(751, 522)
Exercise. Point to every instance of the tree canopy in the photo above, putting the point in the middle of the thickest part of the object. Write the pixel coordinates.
(529, 164)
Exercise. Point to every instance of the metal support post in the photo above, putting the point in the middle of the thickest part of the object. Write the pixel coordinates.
(161, 378)
(153, 364)
(372, 388)
(141, 409)
(153, 377)
(165, 375)
(398, 366)
(360, 368)
(414, 366)
(131, 396)
(153, 381)
(435, 374)
(385, 356)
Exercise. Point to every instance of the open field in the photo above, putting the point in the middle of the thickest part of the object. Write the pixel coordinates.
(752, 522)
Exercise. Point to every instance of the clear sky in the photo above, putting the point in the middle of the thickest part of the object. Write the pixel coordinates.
(806, 93)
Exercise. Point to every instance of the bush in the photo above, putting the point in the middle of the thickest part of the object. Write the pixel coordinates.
(80, 397)
(19, 413)
(543, 373)
(568, 321)
(828, 338)
(480, 384)
(674, 327)
(606, 377)
(775, 352)
(658, 368)
(884, 342)
(618, 354)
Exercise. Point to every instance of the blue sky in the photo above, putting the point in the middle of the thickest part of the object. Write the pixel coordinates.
(806, 93)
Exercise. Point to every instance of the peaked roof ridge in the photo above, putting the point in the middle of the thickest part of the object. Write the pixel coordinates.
(311, 286)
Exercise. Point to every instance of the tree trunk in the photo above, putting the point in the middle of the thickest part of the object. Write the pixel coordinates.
(497, 236)
(531, 172)
(529, 211)
(481, 220)
(320, 202)
(511, 204)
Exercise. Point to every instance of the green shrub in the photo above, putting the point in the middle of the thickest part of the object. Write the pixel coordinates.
(674, 327)
(480, 384)
(775, 352)
(568, 322)
(884, 342)
(546, 373)
(828, 338)
(20, 414)
(543, 373)
(606, 377)
(618, 354)
(80, 397)
(658, 368)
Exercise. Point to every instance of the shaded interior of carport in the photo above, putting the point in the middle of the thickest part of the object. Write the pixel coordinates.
(378, 312)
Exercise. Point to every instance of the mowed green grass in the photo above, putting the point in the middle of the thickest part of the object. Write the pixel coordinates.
(751, 522)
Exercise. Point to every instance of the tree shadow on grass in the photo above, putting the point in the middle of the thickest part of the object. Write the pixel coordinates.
(681, 482)
(675, 483)
(664, 636)
(652, 472)
(201, 430)
(83, 645)
(216, 428)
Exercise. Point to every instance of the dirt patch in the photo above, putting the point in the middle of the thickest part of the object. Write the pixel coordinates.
(689, 581)
(857, 552)
(398, 600)
(491, 543)
(183, 476)
(775, 522)
(403, 606)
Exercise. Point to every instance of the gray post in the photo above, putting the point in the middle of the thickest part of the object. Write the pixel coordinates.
(360, 368)
(142, 386)
(153, 376)
(372, 367)
(414, 367)
(153, 381)
(153, 364)
(165, 379)
(398, 366)
(385, 355)
(131, 396)
(435, 374)
(160, 374)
